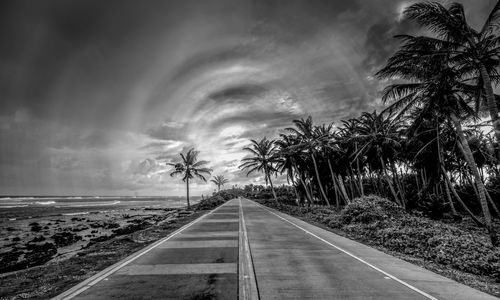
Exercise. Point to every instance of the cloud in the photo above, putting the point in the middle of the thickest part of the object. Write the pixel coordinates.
(96, 97)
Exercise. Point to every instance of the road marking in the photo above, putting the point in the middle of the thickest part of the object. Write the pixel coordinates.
(221, 221)
(353, 256)
(88, 283)
(201, 244)
(178, 269)
(210, 234)
(248, 289)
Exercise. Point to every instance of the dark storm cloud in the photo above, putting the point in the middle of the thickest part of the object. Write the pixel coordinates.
(209, 58)
(242, 92)
(381, 43)
(291, 21)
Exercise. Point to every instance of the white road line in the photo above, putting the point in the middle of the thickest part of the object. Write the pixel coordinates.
(200, 244)
(354, 256)
(247, 282)
(83, 286)
(178, 269)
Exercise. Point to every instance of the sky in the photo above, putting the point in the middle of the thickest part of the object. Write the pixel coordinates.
(96, 96)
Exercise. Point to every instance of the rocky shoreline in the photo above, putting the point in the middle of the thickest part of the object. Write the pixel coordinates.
(41, 257)
(36, 241)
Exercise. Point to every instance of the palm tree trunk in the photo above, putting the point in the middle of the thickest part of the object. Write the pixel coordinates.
(335, 188)
(309, 197)
(352, 183)
(492, 106)
(417, 181)
(448, 182)
(450, 200)
(319, 180)
(477, 178)
(187, 192)
(388, 180)
(271, 183)
(398, 183)
(342, 189)
(360, 178)
(441, 164)
(495, 208)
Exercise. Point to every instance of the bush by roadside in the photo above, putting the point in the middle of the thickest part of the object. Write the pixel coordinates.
(218, 199)
(381, 223)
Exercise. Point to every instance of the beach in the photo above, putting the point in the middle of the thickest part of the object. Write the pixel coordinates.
(39, 230)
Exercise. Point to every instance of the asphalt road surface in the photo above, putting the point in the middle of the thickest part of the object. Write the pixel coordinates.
(247, 251)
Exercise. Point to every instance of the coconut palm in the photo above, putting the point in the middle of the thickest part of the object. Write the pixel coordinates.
(219, 181)
(309, 141)
(190, 168)
(379, 141)
(435, 87)
(474, 50)
(262, 158)
(289, 161)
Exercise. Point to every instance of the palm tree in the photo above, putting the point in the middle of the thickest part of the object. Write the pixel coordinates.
(263, 158)
(304, 132)
(289, 156)
(379, 140)
(474, 50)
(219, 181)
(190, 168)
(435, 86)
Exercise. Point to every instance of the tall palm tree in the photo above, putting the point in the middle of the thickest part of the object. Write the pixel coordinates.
(190, 168)
(309, 141)
(379, 141)
(219, 181)
(474, 50)
(289, 159)
(262, 158)
(435, 86)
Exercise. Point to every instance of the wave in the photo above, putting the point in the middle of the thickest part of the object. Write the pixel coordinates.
(13, 206)
(76, 213)
(91, 204)
(17, 198)
(45, 202)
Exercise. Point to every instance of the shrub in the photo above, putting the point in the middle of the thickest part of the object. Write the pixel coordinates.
(210, 203)
(369, 209)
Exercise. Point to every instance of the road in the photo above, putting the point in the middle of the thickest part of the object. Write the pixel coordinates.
(247, 251)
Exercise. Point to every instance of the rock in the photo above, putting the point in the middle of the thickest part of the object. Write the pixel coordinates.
(79, 228)
(111, 225)
(36, 255)
(37, 239)
(35, 227)
(100, 239)
(185, 213)
(39, 254)
(65, 238)
(137, 225)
